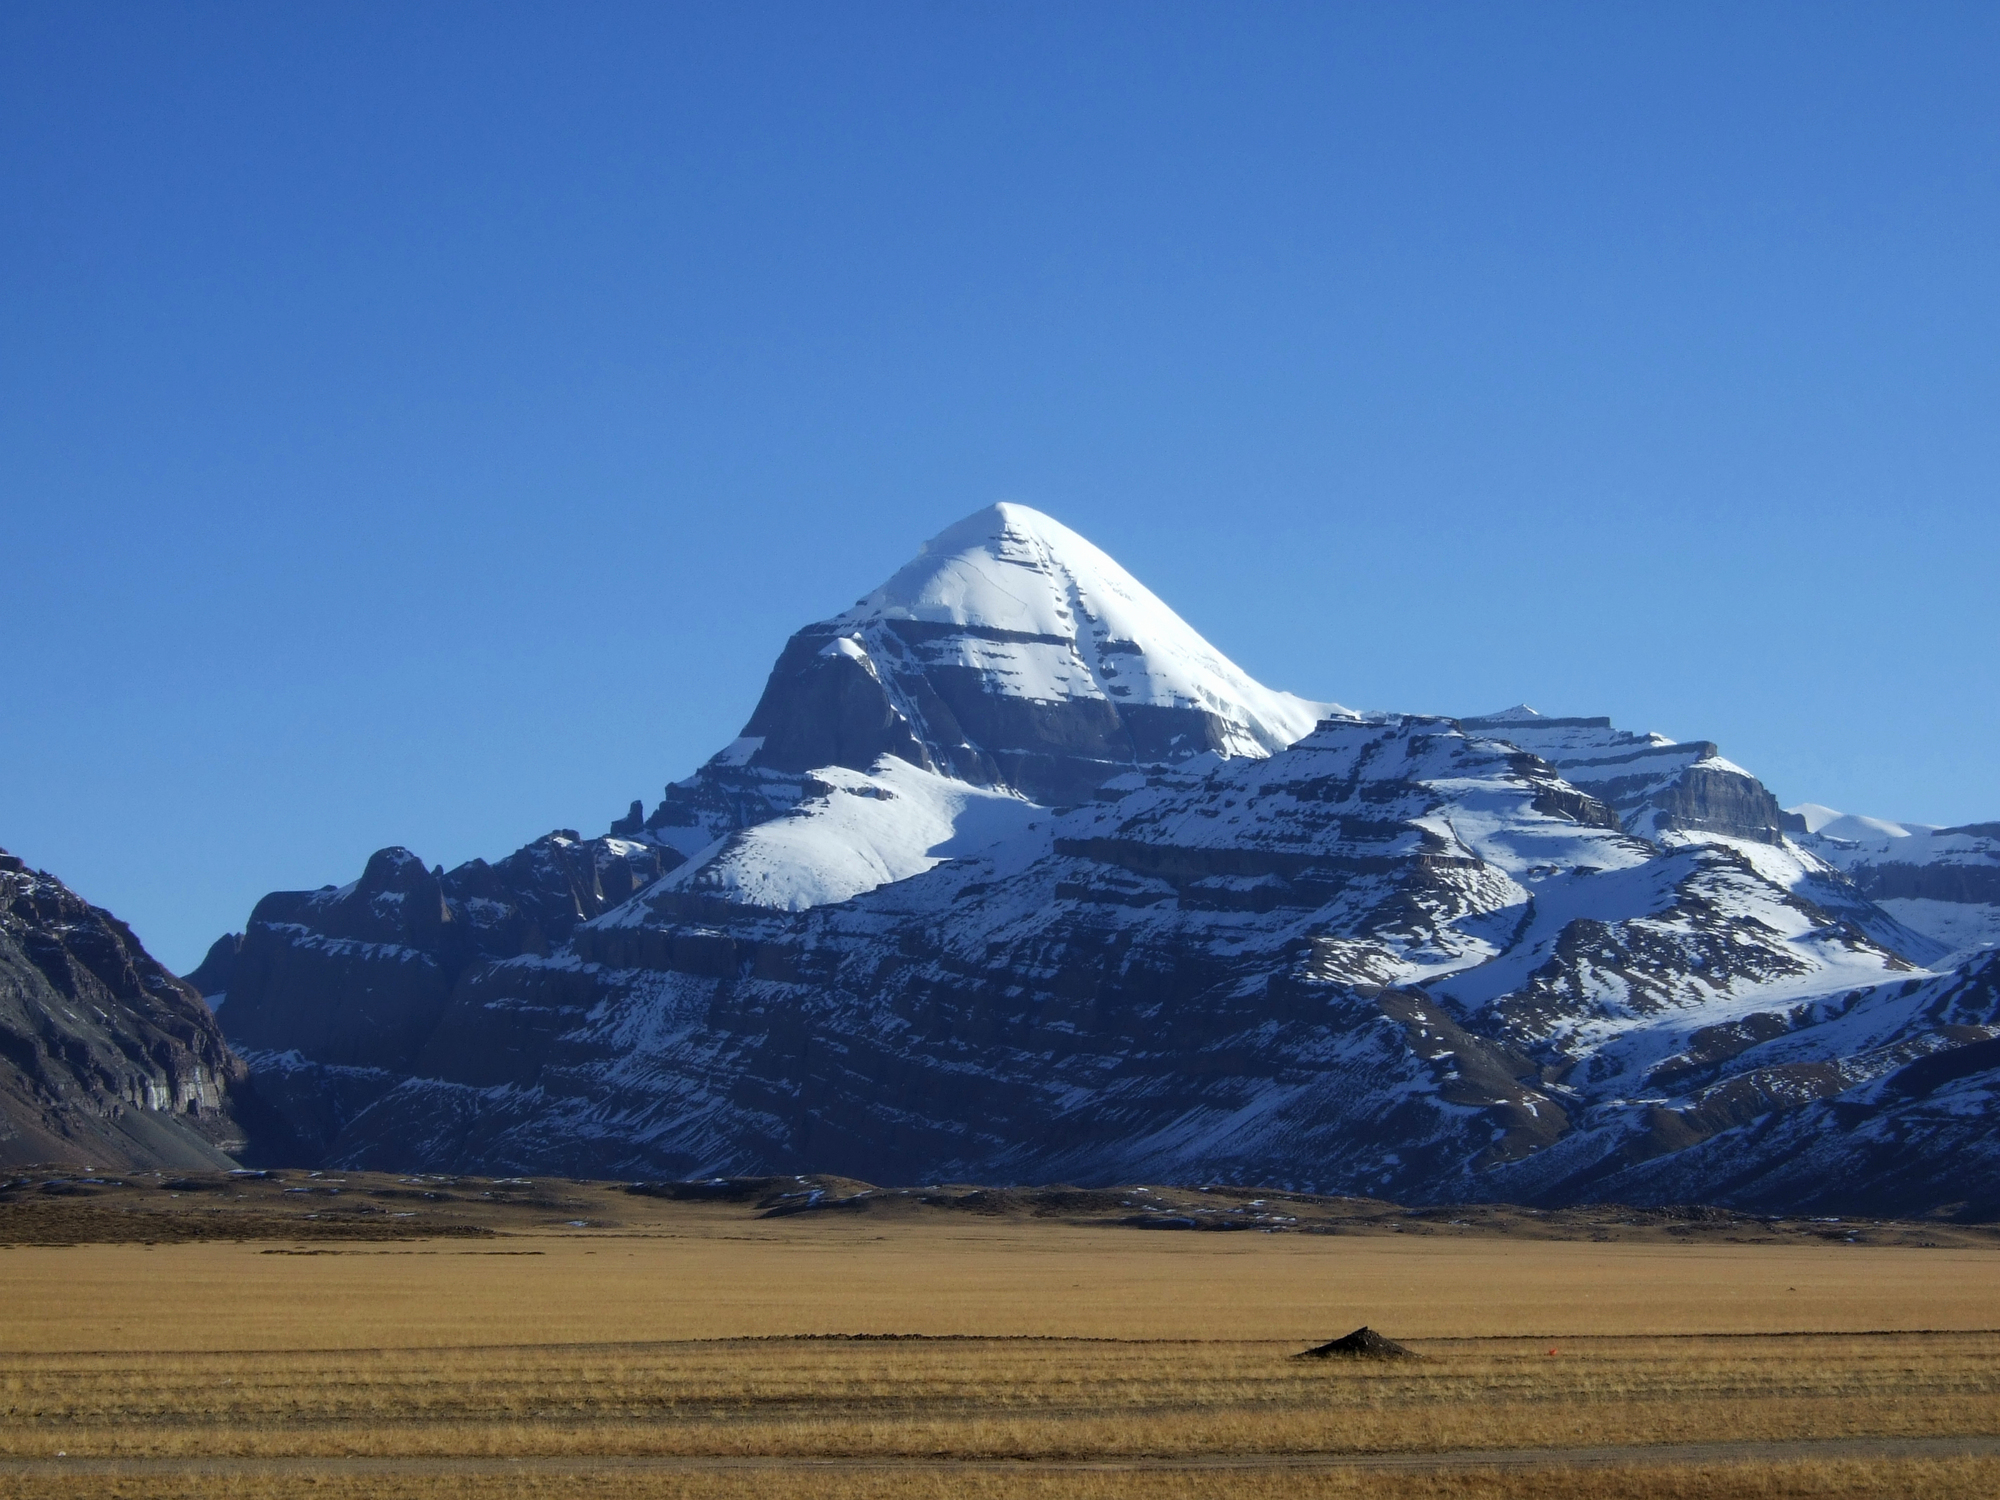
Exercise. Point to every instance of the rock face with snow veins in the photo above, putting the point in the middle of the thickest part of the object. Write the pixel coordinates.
(1013, 877)
(106, 1059)
(1394, 958)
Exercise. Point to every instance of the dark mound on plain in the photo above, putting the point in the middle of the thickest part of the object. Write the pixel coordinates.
(1363, 1343)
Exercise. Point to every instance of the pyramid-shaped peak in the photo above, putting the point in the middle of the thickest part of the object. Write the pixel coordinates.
(1045, 614)
(1011, 567)
(1010, 655)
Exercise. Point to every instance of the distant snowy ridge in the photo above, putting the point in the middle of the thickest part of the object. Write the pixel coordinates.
(1852, 828)
(1944, 882)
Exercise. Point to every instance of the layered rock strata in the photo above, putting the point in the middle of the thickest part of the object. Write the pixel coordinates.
(107, 1061)
(1012, 877)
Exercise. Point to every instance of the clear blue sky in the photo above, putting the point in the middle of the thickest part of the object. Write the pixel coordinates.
(424, 424)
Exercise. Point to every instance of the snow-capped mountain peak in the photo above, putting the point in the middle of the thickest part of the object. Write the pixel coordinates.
(1012, 875)
(1010, 657)
(1044, 614)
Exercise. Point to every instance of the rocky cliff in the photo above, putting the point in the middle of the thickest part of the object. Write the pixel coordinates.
(359, 977)
(106, 1059)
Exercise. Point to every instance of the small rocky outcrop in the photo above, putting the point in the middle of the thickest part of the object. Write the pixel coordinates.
(1363, 1343)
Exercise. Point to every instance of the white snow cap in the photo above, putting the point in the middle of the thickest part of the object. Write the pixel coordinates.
(1098, 632)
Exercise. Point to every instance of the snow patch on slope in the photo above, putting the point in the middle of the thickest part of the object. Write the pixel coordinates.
(853, 832)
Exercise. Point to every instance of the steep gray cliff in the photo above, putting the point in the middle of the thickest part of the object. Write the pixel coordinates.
(358, 977)
(106, 1059)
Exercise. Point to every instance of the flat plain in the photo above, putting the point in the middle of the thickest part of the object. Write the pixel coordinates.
(319, 1335)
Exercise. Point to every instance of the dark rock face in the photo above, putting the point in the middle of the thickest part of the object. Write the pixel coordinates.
(358, 978)
(211, 976)
(106, 1059)
(903, 694)
(1892, 880)
(354, 977)
(1710, 801)
(533, 899)
(830, 708)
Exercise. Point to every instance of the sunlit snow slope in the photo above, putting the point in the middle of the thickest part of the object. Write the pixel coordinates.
(851, 832)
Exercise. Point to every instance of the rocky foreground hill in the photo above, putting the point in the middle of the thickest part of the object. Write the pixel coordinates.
(106, 1059)
(1012, 877)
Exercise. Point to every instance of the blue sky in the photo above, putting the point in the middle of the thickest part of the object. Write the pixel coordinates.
(424, 424)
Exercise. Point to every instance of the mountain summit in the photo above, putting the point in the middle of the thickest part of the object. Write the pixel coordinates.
(1039, 613)
(1010, 655)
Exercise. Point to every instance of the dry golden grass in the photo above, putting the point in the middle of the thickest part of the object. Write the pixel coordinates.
(709, 1339)
(1923, 1479)
(718, 1274)
(994, 1399)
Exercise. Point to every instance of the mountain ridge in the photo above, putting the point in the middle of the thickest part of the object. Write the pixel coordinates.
(953, 905)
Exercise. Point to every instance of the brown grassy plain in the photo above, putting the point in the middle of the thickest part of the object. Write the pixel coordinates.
(734, 1354)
